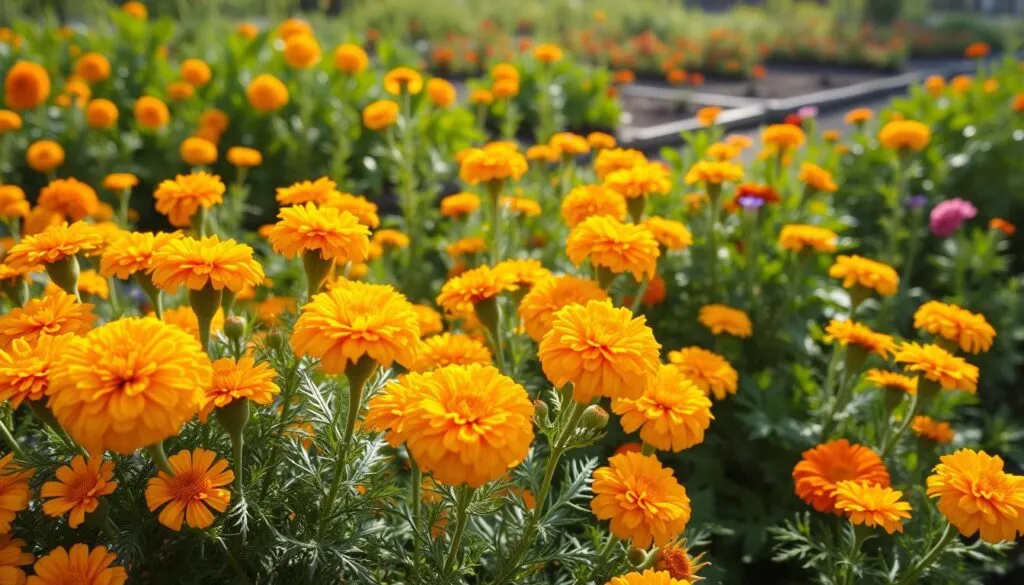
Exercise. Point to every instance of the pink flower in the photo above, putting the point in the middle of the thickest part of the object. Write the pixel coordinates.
(948, 216)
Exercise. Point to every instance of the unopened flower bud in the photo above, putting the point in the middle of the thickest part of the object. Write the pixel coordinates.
(540, 410)
(595, 417)
(636, 556)
(234, 327)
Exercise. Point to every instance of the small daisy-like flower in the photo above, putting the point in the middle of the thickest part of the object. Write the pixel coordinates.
(237, 380)
(132, 252)
(723, 319)
(978, 497)
(711, 372)
(971, 331)
(537, 309)
(871, 505)
(821, 468)
(892, 381)
(78, 489)
(205, 262)
(459, 204)
(460, 294)
(641, 180)
(675, 559)
(54, 244)
(589, 200)
(193, 492)
(12, 558)
(446, 349)
(938, 365)
(928, 428)
(15, 493)
(671, 234)
(851, 333)
(616, 159)
(53, 314)
(799, 237)
(80, 565)
(359, 206)
(332, 233)
(69, 197)
(868, 274)
(180, 198)
(672, 414)
(319, 191)
(608, 243)
(25, 368)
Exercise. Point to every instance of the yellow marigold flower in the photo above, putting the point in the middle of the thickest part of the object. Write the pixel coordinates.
(92, 67)
(78, 489)
(387, 410)
(648, 577)
(466, 425)
(505, 88)
(391, 239)
(740, 141)
(195, 71)
(132, 253)
(642, 499)
(543, 153)
(430, 321)
(672, 414)
(521, 206)
(441, 92)
(198, 151)
(267, 93)
(69, 197)
(978, 497)
(364, 210)
(525, 273)
(403, 79)
(139, 11)
(9, 121)
(26, 86)
(214, 120)
(353, 320)
(180, 198)
(707, 115)
(831, 135)
(971, 331)
(12, 559)
(128, 384)
(538, 307)
(466, 246)
(824, 466)
(905, 135)
(601, 140)
(799, 237)
(857, 271)
(640, 180)
(711, 372)
(669, 233)
(12, 202)
(205, 262)
(859, 116)
(547, 53)
(194, 492)
(713, 173)
(243, 157)
(851, 333)
(44, 155)
(493, 162)
(723, 319)
(590, 200)
(505, 71)
(817, 178)
(482, 97)
(783, 136)
(887, 380)
(618, 247)
(871, 505)
(616, 159)
(675, 559)
(120, 181)
(185, 319)
(180, 91)
(293, 26)
(460, 294)
(334, 234)
(244, 379)
(54, 244)
(459, 204)
(933, 430)
(270, 309)
(722, 151)
(938, 365)
(447, 349)
(14, 490)
(350, 59)
(569, 144)
(319, 191)
(601, 349)
(53, 314)
(301, 51)
(25, 367)
(151, 113)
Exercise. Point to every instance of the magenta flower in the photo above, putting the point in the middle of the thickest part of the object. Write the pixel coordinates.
(948, 216)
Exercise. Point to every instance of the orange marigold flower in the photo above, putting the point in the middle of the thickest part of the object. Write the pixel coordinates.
(928, 428)
(350, 59)
(447, 349)
(977, 496)
(14, 490)
(505, 71)
(53, 314)
(640, 180)
(214, 120)
(132, 252)
(120, 181)
(589, 200)
(482, 97)
(493, 162)
(193, 492)
(441, 92)
(82, 564)
(601, 140)
(648, 577)
(724, 319)
(319, 191)
(380, 114)
(12, 559)
(391, 239)
(538, 307)
(569, 144)
(543, 153)
(9, 121)
(270, 309)
(722, 151)
(610, 244)
(711, 372)
(851, 333)
(334, 234)
(244, 379)
(871, 505)
(669, 233)
(460, 294)
(267, 93)
(25, 368)
(707, 115)
(616, 159)
(195, 71)
(602, 350)
(859, 116)
(205, 262)
(78, 489)
(740, 141)
(525, 273)
(817, 178)
(857, 271)
(713, 173)
(26, 85)
(12, 202)
(977, 50)
(430, 321)
(824, 466)
(905, 135)
(799, 237)
(151, 113)
(938, 365)
(293, 26)
(547, 53)
(180, 91)
(198, 151)
(301, 51)
(54, 244)
(887, 380)
(459, 204)
(403, 80)
(675, 559)
(971, 331)
(44, 155)
(672, 414)
(243, 157)
(69, 197)
(520, 205)
(92, 67)
(179, 199)
(642, 499)
(1002, 225)
(466, 246)
(783, 137)
(359, 206)
(139, 11)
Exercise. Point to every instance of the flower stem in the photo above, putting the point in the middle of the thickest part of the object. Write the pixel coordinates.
(11, 441)
(415, 487)
(948, 536)
(494, 188)
(461, 516)
(893, 438)
(602, 557)
(646, 282)
(159, 457)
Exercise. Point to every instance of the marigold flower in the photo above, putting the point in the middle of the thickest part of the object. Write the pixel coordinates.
(244, 379)
(132, 253)
(711, 372)
(601, 349)
(243, 157)
(799, 237)
(334, 234)
(859, 116)
(977, 496)
(81, 565)
(447, 349)
(520, 206)
(505, 88)
(25, 367)
(971, 331)
(648, 577)
(713, 173)
(9, 121)
(293, 26)
(195, 71)
(430, 320)
(466, 246)
(613, 245)
(928, 428)
(270, 309)
(547, 53)
(538, 307)
(391, 239)
(824, 466)
(92, 67)
(723, 319)
(78, 489)
(482, 97)
(403, 79)
(493, 162)
(505, 71)
(586, 201)
(642, 499)
(12, 202)
(151, 113)
(616, 159)
(120, 181)
(640, 180)
(675, 559)
(267, 93)
(12, 559)
(364, 210)
(542, 153)
(319, 191)
(214, 120)
(54, 244)
(350, 59)
(851, 333)
(44, 155)
(198, 151)
(817, 178)
(301, 51)
(892, 381)
(53, 314)
(193, 492)
(671, 234)
(205, 262)
(459, 204)
(525, 273)
(139, 11)
(441, 92)
(707, 115)
(905, 135)
(184, 318)
(872, 505)
(783, 136)
(997, 223)
(460, 294)
(14, 490)
(69, 197)
(601, 140)
(26, 86)
(569, 144)
(380, 114)
(857, 271)
(722, 151)
(672, 414)
(180, 198)
(938, 365)
(977, 50)
(180, 91)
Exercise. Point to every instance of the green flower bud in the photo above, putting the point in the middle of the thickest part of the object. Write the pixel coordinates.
(595, 417)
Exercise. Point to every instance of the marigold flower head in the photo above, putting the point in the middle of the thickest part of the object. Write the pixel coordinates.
(722, 151)
(78, 489)
(707, 115)
(799, 237)
(12, 202)
(977, 50)
(9, 122)
(459, 204)
(128, 384)
(270, 309)
(195, 71)
(243, 157)
(82, 565)
(616, 159)
(817, 178)
(538, 307)
(997, 223)
(870, 504)
(601, 140)
(25, 367)
(380, 114)
(267, 93)
(851, 333)
(205, 262)
(403, 80)
(334, 234)
(525, 273)
(350, 59)
(671, 234)
(244, 379)
(69, 197)
(493, 162)
(586, 201)
(26, 85)
(648, 577)
(602, 350)
(520, 206)
(132, 253)
(301, 51)
(640, 180)
(359, 206)
(466, 246)
(978, 497)
(197, 151)
(672, 414)
(905, 135)
(139, 11)
(151, 113)
(569, 144)
(447, 349)
(44, 155)
(391, 239)
(12, 559)
(642, 499)
(193, 492)
(180, 198)
(14, 490)
(353, 320)
(859, 116)
(971, 331)
(54, 244)
(101, 114)
(675, 560)
(319, 191)
(609, 243)
(938, 365)
(783, 136)
(547, 53)
(711, 372)
(887, 380)
(460, 294)
(713, 172)
(542, 153)
(180, 91)
(53, 314)
(120, 181)
(824, 466)
(293, 26)
(723, 319)
(430, 320)
(862, 272)
(928, 428)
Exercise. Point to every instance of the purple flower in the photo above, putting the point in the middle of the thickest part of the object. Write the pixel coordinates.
(915, 202)
(948, 216)
(807, 112)
(748, 202)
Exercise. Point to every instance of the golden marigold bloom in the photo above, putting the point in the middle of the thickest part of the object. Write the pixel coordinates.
(447, 349)
(53, 314)
(403, 79)
(616, 159)
(205, 262)
(538, 307)
(319, 191)
(482, 97)
(590, 200)
(672, 414)
(69, 197)
(547, 53)
(151, 113)
(938, 365)
(459, 204)
(180, 91)
(601, 349)
(783, 136)
(198, 151)
(713, 172)
(196, 72)
(14, 490)
(505, 88)
(859, 116)
(905, 135)
(132, 252)
(722, 151)
(977, 496)
(179, 199)
(92, 67)
(971, 331)
(267, 93)
(850, 333)
(380, 114)
(977, 50)
(460, 294)
(926, 427)
(723, 319)
(824, 466)
(887, 380)
(871, 505)
(243, 157)
(543, 153)
(493, 162)
(301, 51)
(44, 155)
(648, 577)
(78, 489)
(334, 234)
(640, 180)
(355, 319)
(525, 273)
(441, 92)
(351, 59)
(711, 372)
(505, 71)
(707, 115)
(194, 492)
(466, 246)
(642, 499)
(139, 11)
(675, 560)
(996, 224)
(9, 121)
(12, 559)
(799, 237)
(387, 410)
(817, 178)
(270, 309)
(128, 384)
(364, 210)
(520, 206)
(669, 233)
(81, 565)
(430, 320)
(244, 379)
(25, 368)
(54, 244)
(391, 239)
(569, 144)
(214, 120)
(609, 243)
(601, 140)
(12, 202)
(26, 86)
(120, 181)
(185, 319)
(862, 272)
(293, 26)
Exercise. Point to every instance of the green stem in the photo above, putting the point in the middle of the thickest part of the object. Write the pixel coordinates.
(159, 457)
(494, 189)
(122, 215)
(11, 441)
(602, 557)
(461, 517)
(892, 439)
(646, 282)
(416, 479)
(948, 536)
